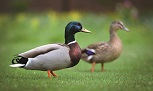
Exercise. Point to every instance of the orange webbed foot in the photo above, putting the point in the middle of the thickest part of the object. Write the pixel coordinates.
(51, 72)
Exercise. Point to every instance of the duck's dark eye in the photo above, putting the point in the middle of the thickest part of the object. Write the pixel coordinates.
(79, 24)
(120, 24)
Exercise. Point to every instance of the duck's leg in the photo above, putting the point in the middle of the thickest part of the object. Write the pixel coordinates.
(53, 74)
(93, 66)
(48, 72)
(102, 67)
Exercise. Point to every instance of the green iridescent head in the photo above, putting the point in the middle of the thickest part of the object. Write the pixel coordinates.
(72, 28)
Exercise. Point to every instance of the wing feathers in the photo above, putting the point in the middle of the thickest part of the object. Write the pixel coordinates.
(40, 50)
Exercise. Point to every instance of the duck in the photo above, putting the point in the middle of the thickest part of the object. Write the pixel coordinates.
(55, 56)
(103, 52)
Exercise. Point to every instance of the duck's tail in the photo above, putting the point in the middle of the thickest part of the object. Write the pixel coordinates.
(19, 62)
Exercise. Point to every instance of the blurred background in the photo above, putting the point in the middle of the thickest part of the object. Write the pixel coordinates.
(101, 6)
(25, 24)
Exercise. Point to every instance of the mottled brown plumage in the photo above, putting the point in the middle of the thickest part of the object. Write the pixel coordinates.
(102, 52)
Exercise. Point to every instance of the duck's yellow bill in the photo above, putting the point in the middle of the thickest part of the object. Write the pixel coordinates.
(85, 30)
(126, 29)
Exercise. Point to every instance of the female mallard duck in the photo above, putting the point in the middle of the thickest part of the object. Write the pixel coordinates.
(102, 52)
(53, 57)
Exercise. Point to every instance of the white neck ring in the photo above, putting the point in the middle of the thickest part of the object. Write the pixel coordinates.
(71, 42)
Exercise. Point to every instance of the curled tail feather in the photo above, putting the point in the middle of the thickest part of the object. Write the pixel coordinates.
(19, 61)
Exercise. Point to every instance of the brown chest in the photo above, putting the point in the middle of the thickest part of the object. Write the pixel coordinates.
(75, 54)
(115, 50)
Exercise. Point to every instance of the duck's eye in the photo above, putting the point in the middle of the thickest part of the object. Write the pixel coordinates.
(119, 23)
(79, 24)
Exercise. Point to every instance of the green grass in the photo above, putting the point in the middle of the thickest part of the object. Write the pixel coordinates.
(133, 71)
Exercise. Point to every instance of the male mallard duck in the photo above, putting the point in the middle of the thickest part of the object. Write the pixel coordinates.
(52, 57)
(102, 52)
